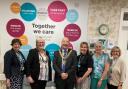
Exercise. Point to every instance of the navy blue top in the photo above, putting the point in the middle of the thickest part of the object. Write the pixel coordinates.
(12, 64)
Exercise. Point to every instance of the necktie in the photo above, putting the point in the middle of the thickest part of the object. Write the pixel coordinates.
(65, 52)
(63, 60)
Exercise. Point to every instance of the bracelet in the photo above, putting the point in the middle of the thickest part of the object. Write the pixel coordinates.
(101, 79)
(120, 85)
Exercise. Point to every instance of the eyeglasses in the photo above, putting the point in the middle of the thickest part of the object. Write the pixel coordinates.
(115, 51)
(40, 42)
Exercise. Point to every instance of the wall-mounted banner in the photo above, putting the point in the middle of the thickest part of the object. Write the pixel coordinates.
(51, 19)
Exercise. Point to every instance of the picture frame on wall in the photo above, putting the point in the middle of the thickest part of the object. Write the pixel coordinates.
(110, 44)
(102, 40)
(92, 43)
(104, 43)
(125, 16)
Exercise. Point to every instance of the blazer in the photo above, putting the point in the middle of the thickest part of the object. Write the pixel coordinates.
(70, 66)
(12, 64)
(33, 65)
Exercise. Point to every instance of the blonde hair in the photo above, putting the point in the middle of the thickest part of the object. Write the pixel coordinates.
(99, 43)
(113, 49)
(38, 38)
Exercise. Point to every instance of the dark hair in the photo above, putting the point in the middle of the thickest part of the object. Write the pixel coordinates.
(16, 41)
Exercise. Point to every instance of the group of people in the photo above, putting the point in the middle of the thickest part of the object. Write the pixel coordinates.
(83, 71)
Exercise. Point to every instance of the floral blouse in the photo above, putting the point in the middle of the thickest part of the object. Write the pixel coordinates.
(99, 64)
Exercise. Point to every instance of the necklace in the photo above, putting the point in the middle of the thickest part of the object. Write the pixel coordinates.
(43, 57)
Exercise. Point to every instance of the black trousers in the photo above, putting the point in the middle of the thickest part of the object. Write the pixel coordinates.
(64, 84)
(40, 84)
(111, 86)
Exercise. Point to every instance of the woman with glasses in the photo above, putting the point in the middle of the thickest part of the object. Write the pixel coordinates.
(38, 68)
(117, 70)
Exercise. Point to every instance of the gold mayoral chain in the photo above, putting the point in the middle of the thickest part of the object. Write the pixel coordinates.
(64, 59)
(62, 56)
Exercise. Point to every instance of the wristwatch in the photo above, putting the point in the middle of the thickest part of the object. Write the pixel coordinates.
(120, 85)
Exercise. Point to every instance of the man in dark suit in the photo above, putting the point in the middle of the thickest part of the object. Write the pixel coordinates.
(64, 64)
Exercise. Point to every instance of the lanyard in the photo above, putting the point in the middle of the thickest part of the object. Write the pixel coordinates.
(22, 60)
(79, 61)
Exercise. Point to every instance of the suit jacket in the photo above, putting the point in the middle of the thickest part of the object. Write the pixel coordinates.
(12, 64)
(33, 65)
(70, 66)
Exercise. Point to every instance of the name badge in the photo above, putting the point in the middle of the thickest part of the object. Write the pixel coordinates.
(79, 65)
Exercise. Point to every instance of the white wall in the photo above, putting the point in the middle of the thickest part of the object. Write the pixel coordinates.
(123, 42)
